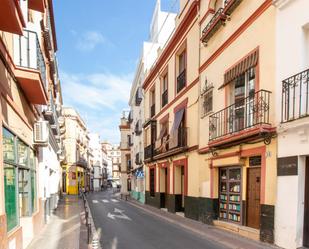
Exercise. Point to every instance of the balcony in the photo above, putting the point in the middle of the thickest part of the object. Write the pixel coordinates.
(138, 158)
(82, 162)
(152, 110)
(219, 19)
(214, 24)
(130, 143)
(138, 97)
(30, 67)
(230, 6)
(148, 152)
(295, 97)
(164, 98)
(11, 17)
(245, 118)
(129, 166)
(50, 111)
(172, 144)
(130, 119)
(138, 128)
(181, 81)
(37, 5)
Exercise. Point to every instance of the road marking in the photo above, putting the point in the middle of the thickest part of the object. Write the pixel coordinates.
(105, 201)
(95, 201)
(114, 200)
(119, 215)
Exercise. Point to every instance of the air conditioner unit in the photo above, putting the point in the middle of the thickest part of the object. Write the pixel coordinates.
(40, 135)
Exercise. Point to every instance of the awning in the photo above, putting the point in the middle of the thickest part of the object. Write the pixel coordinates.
(174, 131)
(248, 62)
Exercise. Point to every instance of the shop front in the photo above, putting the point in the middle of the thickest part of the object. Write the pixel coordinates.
(137, 185)
(239, 179)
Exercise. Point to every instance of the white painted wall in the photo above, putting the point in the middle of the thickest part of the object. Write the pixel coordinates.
(292, 51)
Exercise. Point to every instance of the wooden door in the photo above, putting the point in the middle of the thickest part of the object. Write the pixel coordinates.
(306, 206)
(253, 197)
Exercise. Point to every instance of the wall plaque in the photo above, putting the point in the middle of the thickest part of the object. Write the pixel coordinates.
(287, 166)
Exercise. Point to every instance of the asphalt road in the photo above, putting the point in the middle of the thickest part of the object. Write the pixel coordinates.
(123, 226)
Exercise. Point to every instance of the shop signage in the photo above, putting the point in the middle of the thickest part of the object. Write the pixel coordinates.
(287, 166)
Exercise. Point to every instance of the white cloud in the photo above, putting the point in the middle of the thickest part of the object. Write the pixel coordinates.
(96, 90)
(99, 98)
(89, 40)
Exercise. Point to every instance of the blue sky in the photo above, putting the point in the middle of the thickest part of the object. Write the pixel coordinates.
(99, 43)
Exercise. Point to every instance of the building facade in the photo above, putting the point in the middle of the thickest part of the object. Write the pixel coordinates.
(161, 28)
(126, 161)
(77, 170)
(292, 79)
(99, 163)
(170, 107)
(210, 117)
(114, 159)
(31, 148)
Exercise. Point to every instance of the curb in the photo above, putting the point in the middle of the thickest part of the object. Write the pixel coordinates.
(94, 234)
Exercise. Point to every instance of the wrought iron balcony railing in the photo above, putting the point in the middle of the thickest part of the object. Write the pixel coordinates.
(214, 24)
(164, 98)
(148, 152)
(245, 113)
(28, 54)
(230, 6)
(138, 158)
(168, 144)
(152, 110)
(130, 143)
(138, 97)
(138, 128)
(181, 81)
(295, 97)
(219, 19)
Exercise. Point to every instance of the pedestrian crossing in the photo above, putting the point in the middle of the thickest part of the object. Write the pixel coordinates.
(105, 201)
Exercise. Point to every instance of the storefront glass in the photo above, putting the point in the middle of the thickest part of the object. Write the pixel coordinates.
(230, 194)
(10, 196)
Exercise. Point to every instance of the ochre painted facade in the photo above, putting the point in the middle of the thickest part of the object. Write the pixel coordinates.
(228, 147)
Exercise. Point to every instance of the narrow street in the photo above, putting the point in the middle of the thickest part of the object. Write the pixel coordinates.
(123, 225)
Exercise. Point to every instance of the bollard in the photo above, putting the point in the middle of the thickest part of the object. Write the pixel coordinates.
(89, 232)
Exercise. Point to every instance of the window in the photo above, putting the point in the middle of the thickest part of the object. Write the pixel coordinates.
(152, 182)
(152, 103)
(164, 90)
(207, 98)
(242, 92)
(9, 157)
(181, 79)
(19, 170)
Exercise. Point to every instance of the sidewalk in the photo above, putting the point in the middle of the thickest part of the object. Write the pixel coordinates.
(64, 229)
(228, 239)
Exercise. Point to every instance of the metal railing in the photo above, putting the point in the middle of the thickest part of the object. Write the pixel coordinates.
(148, 151)
(181, 81)
(138, 158)
(245, 113)
(164, 98)
(28, 54)
(295, 97)
(138, 128)
(138, 97)
(213, 25)
(230, 6)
